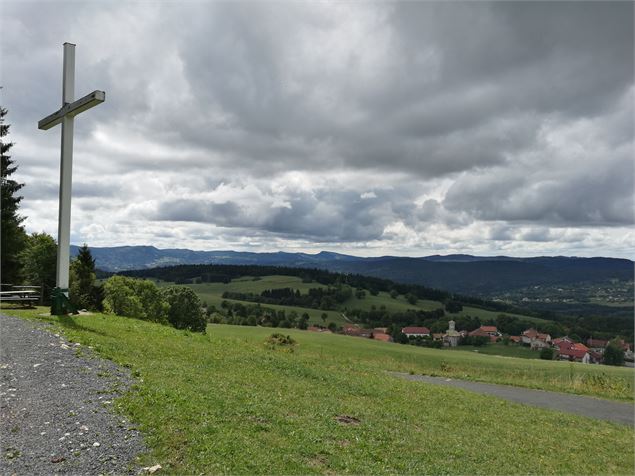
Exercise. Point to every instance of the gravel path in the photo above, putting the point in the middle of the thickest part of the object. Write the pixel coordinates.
(616, 412)
(56, 411)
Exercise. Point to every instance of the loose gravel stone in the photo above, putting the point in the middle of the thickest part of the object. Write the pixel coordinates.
(52, 416)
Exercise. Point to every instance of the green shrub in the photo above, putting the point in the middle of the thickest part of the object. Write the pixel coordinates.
(185, 310)
(547, 353)
(453, 307)
(135, 298)
(280, 341)
(613, 354)
(476, 341)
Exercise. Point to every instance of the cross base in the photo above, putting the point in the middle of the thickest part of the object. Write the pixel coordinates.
(60, 305)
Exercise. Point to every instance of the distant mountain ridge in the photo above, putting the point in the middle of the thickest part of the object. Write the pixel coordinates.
(475, 275)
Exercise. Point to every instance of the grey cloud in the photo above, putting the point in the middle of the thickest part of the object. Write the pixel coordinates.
(223, 214)
(595, 195)
(95, 189)
(500, 232)
(537, 234)
(325, 215)
(39, 190)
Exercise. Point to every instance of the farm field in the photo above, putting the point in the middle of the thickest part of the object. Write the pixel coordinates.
(225, 403)
(212, 293)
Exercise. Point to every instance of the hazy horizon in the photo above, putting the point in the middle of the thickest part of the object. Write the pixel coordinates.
(359, 255)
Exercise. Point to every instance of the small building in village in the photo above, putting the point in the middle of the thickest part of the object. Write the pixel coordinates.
(416, 331)
(356, 331)
(382, 336)
(451, 337)
(597, 344)
(535, 339)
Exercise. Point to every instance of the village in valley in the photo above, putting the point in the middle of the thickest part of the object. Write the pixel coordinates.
(561, 348)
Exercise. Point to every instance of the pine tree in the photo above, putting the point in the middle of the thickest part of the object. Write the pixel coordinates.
(13, 237)
(82, 279)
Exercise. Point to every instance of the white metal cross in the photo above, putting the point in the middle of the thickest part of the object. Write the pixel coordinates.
(65, 115)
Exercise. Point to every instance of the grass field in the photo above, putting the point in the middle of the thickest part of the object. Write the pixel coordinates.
(511, 350)
(212, 293)
(224, 403)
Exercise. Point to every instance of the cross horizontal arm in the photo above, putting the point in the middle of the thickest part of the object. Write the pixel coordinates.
(72, 109)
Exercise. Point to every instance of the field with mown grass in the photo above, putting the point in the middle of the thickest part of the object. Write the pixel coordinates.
(212, 293)
(225, 403)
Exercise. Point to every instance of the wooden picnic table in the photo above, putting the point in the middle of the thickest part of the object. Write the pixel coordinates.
(26, 295)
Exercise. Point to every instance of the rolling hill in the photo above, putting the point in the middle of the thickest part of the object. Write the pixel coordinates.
(465, 274)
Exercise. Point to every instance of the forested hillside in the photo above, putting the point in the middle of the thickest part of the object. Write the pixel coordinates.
(248, 291)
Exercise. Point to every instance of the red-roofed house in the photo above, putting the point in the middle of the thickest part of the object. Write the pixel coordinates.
(579, 346)
(566, 341)
(562, 344)
(416, 331)
(576, 353)
(515, 339)
(597, 344)
(486, 331)
(491, 330)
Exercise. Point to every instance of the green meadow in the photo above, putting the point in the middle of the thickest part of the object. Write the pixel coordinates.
(212, 293)
(225, 403)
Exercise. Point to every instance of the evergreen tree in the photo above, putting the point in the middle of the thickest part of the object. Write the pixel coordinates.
(13, 235)
(82, 280)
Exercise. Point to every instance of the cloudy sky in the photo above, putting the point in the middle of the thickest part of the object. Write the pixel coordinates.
(367, 128)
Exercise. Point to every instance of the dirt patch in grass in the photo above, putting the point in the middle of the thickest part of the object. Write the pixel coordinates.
(347, 420)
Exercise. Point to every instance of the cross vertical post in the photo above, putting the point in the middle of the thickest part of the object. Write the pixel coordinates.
(66, 117)
(66, 173)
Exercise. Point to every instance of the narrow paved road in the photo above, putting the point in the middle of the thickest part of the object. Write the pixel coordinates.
(56, 402)
(616, 412)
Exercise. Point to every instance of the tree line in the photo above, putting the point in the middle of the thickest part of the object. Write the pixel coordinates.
(316, 298)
